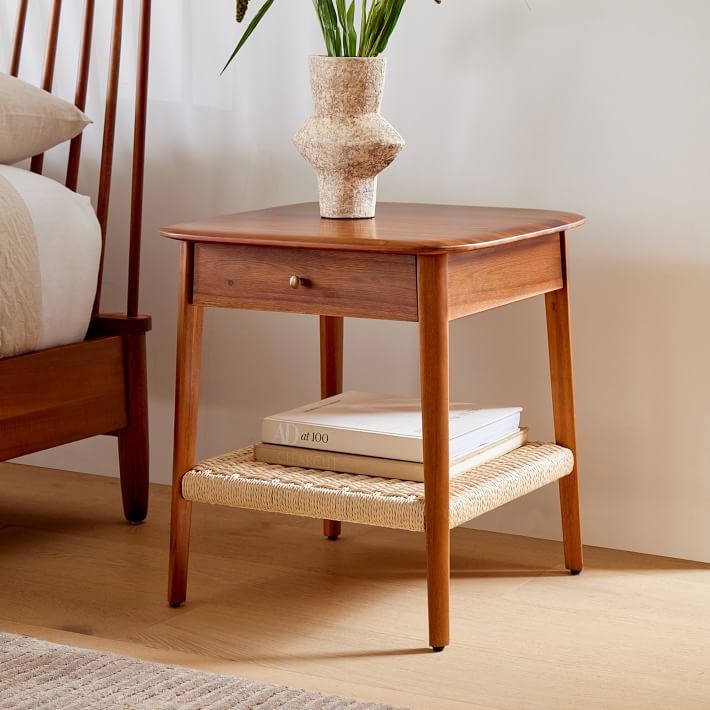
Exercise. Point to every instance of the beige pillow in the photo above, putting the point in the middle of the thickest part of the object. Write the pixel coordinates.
(32, 120)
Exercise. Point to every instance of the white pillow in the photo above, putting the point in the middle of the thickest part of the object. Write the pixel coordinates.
(50, 246)
(32, 120)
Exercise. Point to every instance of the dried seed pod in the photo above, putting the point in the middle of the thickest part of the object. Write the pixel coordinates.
(242, 6)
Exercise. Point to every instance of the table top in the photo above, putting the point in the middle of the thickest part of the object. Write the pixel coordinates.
(399, 228)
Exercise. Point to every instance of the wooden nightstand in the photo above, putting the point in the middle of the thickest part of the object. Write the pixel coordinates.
(425, 263)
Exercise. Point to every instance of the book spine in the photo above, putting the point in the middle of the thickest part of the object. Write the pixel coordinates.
(371, 466)
(345, 441)
(343, 463)
(476, 439)
(490, 452)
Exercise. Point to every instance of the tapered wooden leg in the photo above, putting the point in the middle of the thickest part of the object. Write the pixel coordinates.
(133, 452)
(434, 376)
(559, 340)
(189, 347)
(331, 381)
(332, 529)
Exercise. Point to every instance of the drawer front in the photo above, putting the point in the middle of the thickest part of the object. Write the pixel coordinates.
(334, 283)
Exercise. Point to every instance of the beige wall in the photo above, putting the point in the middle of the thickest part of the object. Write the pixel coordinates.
(595, 106)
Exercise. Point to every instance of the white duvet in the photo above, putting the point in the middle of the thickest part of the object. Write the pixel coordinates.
(50, 246)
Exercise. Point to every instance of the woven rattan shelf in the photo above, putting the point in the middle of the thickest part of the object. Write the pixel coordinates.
(238, 481)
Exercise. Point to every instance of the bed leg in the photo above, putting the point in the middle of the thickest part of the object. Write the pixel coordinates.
(133, 452)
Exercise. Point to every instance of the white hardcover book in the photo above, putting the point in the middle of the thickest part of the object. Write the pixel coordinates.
(382, 468)
(384, 426)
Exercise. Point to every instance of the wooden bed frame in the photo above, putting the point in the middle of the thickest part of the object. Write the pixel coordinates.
(97, 386)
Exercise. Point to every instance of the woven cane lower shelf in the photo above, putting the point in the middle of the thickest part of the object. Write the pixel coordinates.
(236, 480)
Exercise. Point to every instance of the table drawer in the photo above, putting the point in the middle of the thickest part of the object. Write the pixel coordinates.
(333, 283)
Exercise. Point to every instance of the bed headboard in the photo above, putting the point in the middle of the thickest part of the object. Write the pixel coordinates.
(106, 165)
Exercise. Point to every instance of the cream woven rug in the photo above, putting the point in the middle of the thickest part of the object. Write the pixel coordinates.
(37, 675)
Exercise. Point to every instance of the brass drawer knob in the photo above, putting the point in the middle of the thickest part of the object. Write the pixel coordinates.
(294, 281)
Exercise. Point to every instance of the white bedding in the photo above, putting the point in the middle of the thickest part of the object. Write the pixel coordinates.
(51, 235)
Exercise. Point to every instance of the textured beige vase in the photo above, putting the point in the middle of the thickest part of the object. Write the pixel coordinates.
(347, 142)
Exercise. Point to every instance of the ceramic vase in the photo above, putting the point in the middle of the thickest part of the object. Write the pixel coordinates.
(346, 141)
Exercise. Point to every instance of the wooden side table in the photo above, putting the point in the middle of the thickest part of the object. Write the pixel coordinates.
(425, 263)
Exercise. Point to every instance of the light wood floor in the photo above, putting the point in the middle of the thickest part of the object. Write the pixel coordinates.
(270, 599)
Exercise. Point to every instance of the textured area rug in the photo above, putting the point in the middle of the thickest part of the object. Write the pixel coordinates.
(36, 674)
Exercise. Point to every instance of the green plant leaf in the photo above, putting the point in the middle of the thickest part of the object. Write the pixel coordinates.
(347, 22)
(338, 26)
(247, 33)
(386, 15)
(352, 32)
(363, 24)
(329, 22)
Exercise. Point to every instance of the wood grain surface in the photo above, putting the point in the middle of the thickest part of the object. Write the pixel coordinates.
(331, 381)
(398, 227)
(486, 278)
(434, 379)
(187, 398)
(559, 335)
(63, 394)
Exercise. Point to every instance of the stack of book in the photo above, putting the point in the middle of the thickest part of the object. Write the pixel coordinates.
(380, 435)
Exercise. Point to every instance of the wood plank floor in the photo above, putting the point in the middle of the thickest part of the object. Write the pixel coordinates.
(270, 599)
